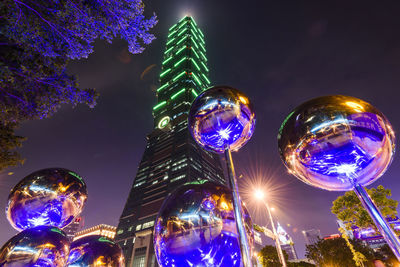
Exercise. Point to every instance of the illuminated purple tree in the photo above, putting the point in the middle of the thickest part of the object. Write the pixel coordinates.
(38, 38)
(69, 28)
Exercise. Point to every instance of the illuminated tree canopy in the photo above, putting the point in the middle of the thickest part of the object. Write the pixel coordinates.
(69, 28)
(37, 40)
(349, 209)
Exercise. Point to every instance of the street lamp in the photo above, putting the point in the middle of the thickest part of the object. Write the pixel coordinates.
(260, 195)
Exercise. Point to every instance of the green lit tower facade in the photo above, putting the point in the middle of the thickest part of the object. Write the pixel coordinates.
(171, 157)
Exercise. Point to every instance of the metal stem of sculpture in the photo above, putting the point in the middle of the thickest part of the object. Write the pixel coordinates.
(244, 246)
(340, 143)
(388, 234)
(276, 237)
(222, 120)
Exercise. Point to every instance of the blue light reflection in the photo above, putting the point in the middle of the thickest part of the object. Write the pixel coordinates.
(196, 227)
(221, 118)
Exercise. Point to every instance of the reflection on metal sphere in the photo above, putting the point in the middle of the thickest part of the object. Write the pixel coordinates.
(196, 227)
(220, 117)
(43, 246)
(95, 250)
(332, 142)
(52, 197)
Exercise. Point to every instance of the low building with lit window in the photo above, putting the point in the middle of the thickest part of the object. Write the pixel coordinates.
(75, 226)
(370, 236)
(101, 229)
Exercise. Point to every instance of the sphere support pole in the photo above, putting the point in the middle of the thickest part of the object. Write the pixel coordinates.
(240, 224)
(379, 220)
(277, 244)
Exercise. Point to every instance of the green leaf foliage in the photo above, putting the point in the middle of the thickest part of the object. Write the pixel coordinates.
(335, 253)
(269, 256)
(349, 209)
(8, 143)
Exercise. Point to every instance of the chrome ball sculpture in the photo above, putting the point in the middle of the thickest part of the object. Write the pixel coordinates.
(340, 143)
(52, 197)
(196, 227)
(42, 246)
(333, 141)
(221, 120)
(95, 250)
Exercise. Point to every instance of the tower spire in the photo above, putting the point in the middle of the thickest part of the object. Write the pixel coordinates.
(184, 72)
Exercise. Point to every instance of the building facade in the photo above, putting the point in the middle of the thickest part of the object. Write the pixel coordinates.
(372, 237)
(75, 226)
(100, 229)
(171, 157)
(286, 243)
(312, 236)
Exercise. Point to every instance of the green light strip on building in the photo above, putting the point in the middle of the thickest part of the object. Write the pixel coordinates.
(182, 19)
(194, 34)
(194, 93)
(194, 22)
(201, 53)
(159, 105)
(205, 77)
(204, 65)
(180, 50)
(197, 79)
(173, 27)
(195, 53)
(180, 92)
(193, 26)
(170, 41)
(171, 33)
(180, 61)
(165, 72)
(168, 59)
(183, 39)
(194, 43)
(182, 32)
(180, 75)
(197, 28)
(201, 34)
(162, 87)
(169, 50)
(194, 63)
(182, 23)
(202, 46)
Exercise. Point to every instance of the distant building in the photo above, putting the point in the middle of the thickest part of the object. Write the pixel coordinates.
(373, 238)
(290, 251)
(286, 243)
(258, 245)
(101, 229)
(73, 227)
(257, 241)
(312, 236)
(342, 225)
(332, 236)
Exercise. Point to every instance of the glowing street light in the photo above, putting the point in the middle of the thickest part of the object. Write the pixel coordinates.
(260, 196)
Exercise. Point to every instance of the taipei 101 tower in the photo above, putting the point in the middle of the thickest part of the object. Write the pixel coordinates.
(171, 157)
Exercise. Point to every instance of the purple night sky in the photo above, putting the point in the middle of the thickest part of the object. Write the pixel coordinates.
(279, 53)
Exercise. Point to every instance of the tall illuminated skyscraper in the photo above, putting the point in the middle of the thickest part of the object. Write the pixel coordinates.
(171, 157)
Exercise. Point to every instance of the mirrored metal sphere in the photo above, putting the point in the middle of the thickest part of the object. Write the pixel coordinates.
(222, 117)
(196, 227)
(52, 197)
(332, 142)
(42, 246)
(95, 250)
